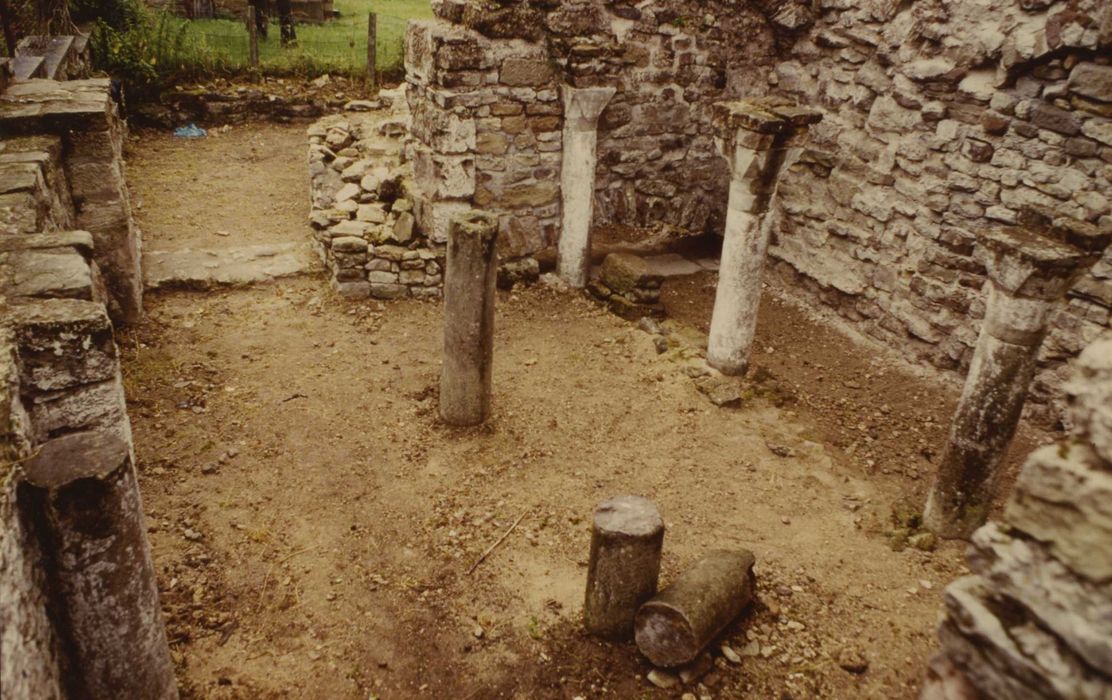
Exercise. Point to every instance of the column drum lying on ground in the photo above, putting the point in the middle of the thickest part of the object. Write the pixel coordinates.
(673, 627)
(759, 138)
(626, 541)
(1030, 268)
(469, 288)
(582, 107)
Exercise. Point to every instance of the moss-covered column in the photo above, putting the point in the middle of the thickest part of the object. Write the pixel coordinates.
(582, 107)
(758, 138)
(469, 282)
(1030, 268)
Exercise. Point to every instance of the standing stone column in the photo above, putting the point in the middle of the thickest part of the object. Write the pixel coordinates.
(626, 540)
(582, 107)
(1030, 269)
(469, 281)
(93, 530)
(759, 139)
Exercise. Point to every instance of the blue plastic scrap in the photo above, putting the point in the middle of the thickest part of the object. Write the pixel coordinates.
(190, 132)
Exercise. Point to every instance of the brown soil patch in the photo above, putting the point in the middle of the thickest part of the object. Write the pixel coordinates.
(312, 522)
(240, 185)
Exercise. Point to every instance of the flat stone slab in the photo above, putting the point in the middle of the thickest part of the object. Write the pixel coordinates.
(672, 265)
(233, 267)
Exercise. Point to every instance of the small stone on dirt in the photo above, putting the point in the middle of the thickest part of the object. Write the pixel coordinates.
(662, 679)
(853, 661)
(721, 392)
(780, 450)
(731, 655)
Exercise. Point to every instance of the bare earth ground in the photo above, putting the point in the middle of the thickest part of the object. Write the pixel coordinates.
(238, 186)
(312, 523)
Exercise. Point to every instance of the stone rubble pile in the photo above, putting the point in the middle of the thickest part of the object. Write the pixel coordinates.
(628, 286)
(1034, 620)
(365, 230)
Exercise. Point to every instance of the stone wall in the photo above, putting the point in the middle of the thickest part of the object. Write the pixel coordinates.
(72, 174)
(1034, 620)
(77, 594)
(940, 119)
(30, 662)
(486, 127)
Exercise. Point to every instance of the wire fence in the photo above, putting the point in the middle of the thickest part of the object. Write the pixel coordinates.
(318, 48)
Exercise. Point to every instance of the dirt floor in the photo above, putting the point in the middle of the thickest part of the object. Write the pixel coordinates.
(238, 186)
(313, 523)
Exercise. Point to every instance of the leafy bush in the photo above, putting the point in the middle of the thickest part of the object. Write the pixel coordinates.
(149, 51)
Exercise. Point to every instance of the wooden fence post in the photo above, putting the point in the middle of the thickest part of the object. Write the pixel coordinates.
(372, 58)
(253, 39)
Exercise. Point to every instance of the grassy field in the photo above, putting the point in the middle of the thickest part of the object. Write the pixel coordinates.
(338, 46)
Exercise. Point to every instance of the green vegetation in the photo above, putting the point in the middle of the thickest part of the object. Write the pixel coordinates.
(338, 46)
(150, 51)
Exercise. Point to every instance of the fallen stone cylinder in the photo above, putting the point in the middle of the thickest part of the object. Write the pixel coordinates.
(626, 540)
(469, 289)
(672, 628)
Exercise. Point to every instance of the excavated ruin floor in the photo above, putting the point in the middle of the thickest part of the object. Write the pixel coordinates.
(313, 524)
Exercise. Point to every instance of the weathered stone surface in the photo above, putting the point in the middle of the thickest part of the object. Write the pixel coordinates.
(624, 272)
(1063, 497)
(234, 267)
(1092, 80)
(1077, 610)
(1010, 656)
(1090, 394)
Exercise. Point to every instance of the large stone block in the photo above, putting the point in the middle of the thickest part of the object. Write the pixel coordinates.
(1063, 498)
(1077, 610)
(1007, 655)
(63, 343)
(443, 176)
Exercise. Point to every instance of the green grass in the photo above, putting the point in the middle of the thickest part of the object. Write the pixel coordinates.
(338, 46)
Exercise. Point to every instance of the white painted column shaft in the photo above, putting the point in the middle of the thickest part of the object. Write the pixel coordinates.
(582, 107)
(738, 296)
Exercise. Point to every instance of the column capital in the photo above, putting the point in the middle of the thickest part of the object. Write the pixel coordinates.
(583, 105)
(760, 123)
(1042, 258)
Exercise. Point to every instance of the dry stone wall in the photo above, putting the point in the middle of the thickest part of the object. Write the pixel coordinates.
(941, 119)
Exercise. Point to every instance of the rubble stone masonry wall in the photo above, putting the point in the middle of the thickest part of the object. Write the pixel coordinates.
(942, 119)
(939, 119)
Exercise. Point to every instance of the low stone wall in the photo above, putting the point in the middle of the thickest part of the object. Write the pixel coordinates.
(80, 609)
(1034, 620)
(78, 130)
(362, 213)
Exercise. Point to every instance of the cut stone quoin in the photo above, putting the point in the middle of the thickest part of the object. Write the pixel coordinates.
(469, 293)
(627, 535)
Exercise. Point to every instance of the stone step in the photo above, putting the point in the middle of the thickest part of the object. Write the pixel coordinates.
(231, 267)
(28, 67)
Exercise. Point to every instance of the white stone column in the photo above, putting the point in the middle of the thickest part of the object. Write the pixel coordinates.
(1030, 272)
(758, 144)
(582, 107)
